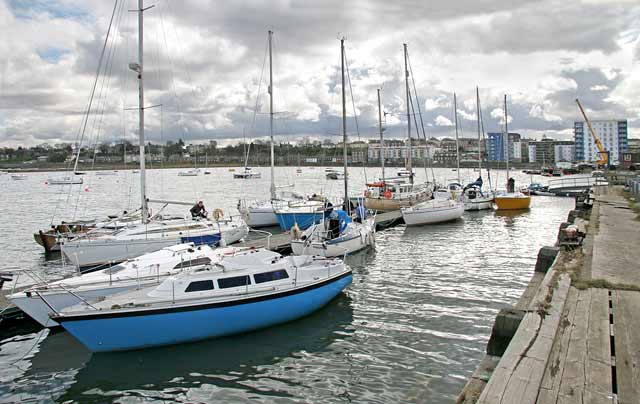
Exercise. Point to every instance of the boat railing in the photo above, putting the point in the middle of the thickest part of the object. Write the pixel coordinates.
(267, 235)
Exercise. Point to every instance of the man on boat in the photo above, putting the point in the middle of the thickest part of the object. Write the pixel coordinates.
(198, 210)
(511, 185)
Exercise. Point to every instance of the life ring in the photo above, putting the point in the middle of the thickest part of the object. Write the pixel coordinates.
(387, 194)
(218, 213)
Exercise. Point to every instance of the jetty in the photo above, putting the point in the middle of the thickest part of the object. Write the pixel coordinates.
(574, 335)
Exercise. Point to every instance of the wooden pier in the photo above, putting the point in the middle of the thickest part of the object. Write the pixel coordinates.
(577, 338)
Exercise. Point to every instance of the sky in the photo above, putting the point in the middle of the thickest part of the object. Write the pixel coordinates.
(205, 64)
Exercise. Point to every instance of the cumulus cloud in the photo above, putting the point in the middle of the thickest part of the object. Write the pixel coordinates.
(205, 63)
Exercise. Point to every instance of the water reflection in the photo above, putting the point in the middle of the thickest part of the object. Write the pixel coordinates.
(224, 362)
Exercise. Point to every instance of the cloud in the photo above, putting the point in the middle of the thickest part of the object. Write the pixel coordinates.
(442, 121)
(205, 61)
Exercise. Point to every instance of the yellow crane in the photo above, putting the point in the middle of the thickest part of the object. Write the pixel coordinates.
(604, 155)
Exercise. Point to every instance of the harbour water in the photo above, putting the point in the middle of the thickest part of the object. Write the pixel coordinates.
(411, 328)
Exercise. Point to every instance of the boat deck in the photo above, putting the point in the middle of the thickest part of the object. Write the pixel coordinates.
(280, 242)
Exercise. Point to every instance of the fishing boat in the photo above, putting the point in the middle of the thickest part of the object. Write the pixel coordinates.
(337, 235)
(41, 301)
(66, 180)
(91, 251)
(511, 199)
(433, 211)
(473, 197)
(249, 290)
(388, 194)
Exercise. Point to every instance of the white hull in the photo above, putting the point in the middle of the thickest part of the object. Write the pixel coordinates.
(64, 181)
(38, 310)
(478, 204)
(144, 271)
(105, 251)
(261, 218)
(351, 243)
(431, 212)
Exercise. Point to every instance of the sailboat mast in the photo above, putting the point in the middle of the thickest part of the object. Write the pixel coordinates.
(272, 188)
(344, 132)
(381, 137)
(406, 77)
(506, 133)
(479, 138)
(143, 185)
(455, 117)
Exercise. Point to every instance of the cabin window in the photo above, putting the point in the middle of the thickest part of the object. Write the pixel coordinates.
(193, 263)
(233, 282)
(270, 276)
(199, 286)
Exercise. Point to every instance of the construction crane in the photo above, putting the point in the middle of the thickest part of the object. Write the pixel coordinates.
(604, 154)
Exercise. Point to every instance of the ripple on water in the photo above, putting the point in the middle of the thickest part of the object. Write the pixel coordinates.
(411, 328)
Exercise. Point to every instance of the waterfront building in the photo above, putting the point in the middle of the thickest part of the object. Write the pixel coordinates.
(612, 134)
(497, 146)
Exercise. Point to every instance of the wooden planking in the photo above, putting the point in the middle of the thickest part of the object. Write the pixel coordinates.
(626, 319)
(579, 370)
(556, 365)
(519, 374)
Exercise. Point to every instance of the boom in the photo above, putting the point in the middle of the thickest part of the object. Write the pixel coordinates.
(604, 155)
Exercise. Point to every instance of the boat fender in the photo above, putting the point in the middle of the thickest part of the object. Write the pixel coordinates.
(218, 214)
(295, 232)
(366, 193)
(387, 194)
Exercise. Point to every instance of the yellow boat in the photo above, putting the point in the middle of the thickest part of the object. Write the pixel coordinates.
(512, 201)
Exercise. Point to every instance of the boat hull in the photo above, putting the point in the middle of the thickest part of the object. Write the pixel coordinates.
(334, 248)
(261, 216)
(131, 330)
(304, 220)
(387, 205)
(512, 203)
(478, 204)
(417, 216)
(38, 310)
(99, 253)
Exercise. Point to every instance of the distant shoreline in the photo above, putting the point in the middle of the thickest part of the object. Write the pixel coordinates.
(57, 168)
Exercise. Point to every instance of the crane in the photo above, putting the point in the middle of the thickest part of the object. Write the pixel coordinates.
(604, 154)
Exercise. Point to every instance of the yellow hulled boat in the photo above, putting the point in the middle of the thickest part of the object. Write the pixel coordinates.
(512, 201)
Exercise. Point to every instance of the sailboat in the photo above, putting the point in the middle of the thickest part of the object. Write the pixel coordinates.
(192, 172)
(440, 209)
(247, 172)
(263, 213)
(388, 194)
(473, 196)
(92, 251)
(510, 200)
(337, 234)
(246, 291)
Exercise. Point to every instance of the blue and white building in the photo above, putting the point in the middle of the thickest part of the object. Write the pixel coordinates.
(613, 135)
(497, 146)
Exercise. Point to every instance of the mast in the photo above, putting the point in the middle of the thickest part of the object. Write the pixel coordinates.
(344, 133)
(506, 130)
(479, 139)
(138, 68)
(272, 187)
(455, 116)
(381, 137)
(406, 77)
